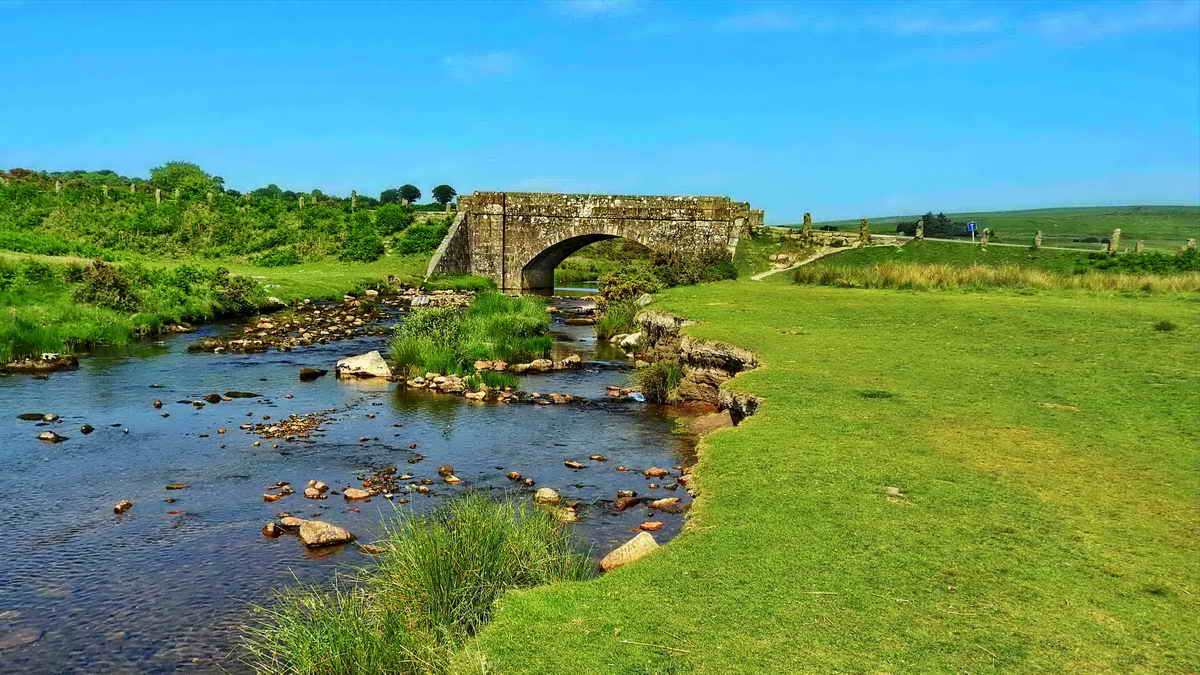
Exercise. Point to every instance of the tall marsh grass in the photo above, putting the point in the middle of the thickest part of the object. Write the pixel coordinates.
(435, 585)
(450, 340)
(909, 276)
(618, 317)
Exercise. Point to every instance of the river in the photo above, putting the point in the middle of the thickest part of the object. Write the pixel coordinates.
(162, 587)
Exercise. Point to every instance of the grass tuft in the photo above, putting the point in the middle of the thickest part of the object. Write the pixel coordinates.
(435, 585)
(1165, 326)
(618, 318)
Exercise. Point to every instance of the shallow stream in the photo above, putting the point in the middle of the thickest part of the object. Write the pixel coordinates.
(161, 587)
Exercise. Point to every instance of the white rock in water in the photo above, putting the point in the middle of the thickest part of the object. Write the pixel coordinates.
(630, 551)
(370, 364)
(546, 496)
(631, 341)
(420, 301)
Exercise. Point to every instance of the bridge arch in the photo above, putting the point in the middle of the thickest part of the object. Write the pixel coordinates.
(518, 238)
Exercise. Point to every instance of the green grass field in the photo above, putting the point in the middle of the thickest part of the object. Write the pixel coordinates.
(946, 253)
(1162, 227)
(1027, 537)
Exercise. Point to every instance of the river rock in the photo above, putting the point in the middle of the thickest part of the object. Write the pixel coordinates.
(623, 503)
(651, 526)
(631, 342)
(271, 530)
(655, 472)
(86, 429)
(30, 417)
(355, 493)
(580, 321)
(213, 398)
(445, 470)
(370, 364)
(451, 479)
(546, 496)
(50, 417)
(19, 638)
(51, 437)
(317, 533)
(307, 374)
(669, 505)
(122, 506)
(541, 365)
(241, 394)
(632, 550)
(290, 522)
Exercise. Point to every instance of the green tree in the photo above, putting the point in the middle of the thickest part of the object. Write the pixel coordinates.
(393, 218)
(186, 177)
(443, 194)
(361, 242)
(410, 193)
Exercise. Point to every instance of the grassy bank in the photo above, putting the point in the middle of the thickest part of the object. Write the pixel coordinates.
(42, 311)
(1026, 537)
(1161, 227)
(946, 253)
(434, 585)
(917, 276)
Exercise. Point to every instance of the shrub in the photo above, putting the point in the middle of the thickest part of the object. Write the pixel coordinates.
(278, 258)
(659, 380)
(683, 269)
(423, 238)
(393, 218)
(1165, 326)
(105, 285)
(361, 242)
(629, 282)
(435, 585)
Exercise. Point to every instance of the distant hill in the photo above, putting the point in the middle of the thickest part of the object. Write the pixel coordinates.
(1161, 227)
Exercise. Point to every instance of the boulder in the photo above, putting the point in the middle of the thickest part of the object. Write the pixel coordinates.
(307, 374)
(355, 493)
(632, 550)
(122, 506)
(51, 437)
(370, 364)
(541, 365)
(546, 496)
(631, 342)
(655, 472)
(317, 533)
(644, 299)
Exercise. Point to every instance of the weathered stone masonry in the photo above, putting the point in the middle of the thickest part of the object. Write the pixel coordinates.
(518, 238)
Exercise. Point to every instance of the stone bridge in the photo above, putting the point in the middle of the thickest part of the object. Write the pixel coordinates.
(518, 238)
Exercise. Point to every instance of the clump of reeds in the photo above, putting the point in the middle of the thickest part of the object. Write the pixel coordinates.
(435, 585)
(618, 317)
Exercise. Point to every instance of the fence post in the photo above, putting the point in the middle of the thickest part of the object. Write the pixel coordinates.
(1037, 240)
(1139, 247)
(157, 196)
(984, 236)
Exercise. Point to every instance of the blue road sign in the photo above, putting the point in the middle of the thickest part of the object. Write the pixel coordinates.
(970, 227)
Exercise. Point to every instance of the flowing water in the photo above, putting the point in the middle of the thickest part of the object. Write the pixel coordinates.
(161, 587)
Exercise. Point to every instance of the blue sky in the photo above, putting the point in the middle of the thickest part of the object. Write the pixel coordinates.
(845, 110)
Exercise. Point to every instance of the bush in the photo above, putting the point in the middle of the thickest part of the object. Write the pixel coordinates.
(105, 285)
(278, 258)
(629, 282)
(435, 586)
(393, 218)
(361, 242)
(423, 238)
(685, 269)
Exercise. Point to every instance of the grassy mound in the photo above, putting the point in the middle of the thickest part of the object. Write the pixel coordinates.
(436, 583)
(449, 340)
(1023, 535)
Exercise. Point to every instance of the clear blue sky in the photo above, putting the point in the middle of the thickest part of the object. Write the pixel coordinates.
(844, 110)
